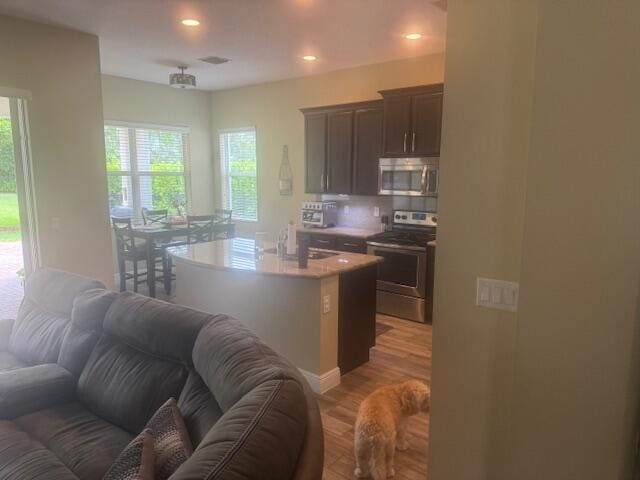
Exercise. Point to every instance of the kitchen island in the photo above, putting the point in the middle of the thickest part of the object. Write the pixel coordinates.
(322, 318)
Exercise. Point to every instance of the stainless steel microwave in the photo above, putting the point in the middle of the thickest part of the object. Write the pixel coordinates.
(416, 177)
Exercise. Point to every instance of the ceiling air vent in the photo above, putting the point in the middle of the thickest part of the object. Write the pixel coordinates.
(213, 60)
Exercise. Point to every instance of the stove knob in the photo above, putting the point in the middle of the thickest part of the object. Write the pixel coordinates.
(397, 217)
(404, 217)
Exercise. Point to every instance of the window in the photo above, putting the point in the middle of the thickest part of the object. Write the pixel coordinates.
(239, 169)
(146, 168)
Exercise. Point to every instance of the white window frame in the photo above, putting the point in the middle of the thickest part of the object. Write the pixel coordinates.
(135, 175)
(225, 177)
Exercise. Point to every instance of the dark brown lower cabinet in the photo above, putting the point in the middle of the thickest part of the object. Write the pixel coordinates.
(351, 244)
(356, 317)
(342, 243)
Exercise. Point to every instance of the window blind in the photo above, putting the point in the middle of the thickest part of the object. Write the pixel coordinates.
(145, 169)
(239, 173)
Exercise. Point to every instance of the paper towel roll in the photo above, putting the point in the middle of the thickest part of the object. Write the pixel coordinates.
(291, 239)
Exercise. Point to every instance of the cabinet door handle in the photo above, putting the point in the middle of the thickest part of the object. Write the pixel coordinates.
(328, 182)
(326, 242)
(413, 142)
(404, 145)
(347, 244)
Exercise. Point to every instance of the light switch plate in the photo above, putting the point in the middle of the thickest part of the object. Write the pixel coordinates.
(499, 294)
(326, 303)
(376, 211)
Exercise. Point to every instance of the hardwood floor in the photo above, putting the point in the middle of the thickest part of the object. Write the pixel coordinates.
(401, 353)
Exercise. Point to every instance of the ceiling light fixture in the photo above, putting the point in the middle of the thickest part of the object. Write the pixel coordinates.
(182, 80)
(413, 36)
(310, 58)
(190, 22)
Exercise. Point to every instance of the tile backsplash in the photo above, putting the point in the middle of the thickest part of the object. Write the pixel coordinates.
(360, 212)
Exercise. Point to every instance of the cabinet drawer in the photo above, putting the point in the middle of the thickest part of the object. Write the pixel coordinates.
(323, 241)
(351, 244)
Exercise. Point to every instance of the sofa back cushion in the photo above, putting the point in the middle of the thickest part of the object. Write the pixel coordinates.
(262, 430)
(87, 315)
(260, 437)
(142, 358)
(45, 314)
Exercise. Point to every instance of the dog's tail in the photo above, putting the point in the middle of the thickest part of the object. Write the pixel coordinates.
(377, 460)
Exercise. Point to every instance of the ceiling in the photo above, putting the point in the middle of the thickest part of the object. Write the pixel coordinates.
(144, 39)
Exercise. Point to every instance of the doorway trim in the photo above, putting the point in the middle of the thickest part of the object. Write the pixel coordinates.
(25, 185)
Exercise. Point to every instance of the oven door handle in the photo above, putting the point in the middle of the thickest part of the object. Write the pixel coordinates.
(395, 246)
(423, 180)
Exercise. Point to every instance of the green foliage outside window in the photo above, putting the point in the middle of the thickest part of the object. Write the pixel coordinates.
(165, 155)
(7, 165)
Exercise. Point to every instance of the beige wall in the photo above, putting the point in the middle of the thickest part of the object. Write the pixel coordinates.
(273, 108)
(129, 100)
(539, 185)
(576, 367)
(62, 71)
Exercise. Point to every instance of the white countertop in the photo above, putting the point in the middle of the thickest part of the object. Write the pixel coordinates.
(238, 254)
(347, 231)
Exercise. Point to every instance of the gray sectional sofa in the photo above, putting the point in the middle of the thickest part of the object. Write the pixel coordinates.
(82, 370)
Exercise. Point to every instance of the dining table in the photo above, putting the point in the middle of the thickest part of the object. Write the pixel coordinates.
(158, 234)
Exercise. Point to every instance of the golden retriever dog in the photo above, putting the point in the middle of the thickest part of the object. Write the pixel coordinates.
(381, 426)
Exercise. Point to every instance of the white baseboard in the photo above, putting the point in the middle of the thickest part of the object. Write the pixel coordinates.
(324, 382)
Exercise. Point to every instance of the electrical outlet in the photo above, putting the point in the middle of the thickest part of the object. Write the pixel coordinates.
(346, 209)
(498, 294)
(326, 303)
(376, 211)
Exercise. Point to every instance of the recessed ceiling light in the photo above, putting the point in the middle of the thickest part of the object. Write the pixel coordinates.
(190, 22)
(310, 58)
(413, 36)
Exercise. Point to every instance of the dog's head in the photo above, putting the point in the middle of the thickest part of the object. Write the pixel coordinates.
(414, 397)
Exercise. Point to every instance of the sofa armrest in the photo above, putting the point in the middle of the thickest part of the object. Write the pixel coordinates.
(6, 326)
(28, 389)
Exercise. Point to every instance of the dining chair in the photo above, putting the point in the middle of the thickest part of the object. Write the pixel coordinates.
(200, 228)
(131, 250)
(150, 217)
(223, 215)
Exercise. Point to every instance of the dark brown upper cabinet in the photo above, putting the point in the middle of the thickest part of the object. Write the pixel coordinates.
(315, 127)
(342, 147)
(367, 149)
(412, 121)
(339, 151)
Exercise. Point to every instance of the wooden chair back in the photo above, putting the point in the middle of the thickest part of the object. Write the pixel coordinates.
(223, 215)
(151, 217)
(200, 228)
(125, 241)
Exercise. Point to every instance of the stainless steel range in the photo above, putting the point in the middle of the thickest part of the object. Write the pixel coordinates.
(405, 278)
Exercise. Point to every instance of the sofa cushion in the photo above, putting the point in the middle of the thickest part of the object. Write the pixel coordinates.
(85, 443)
(198, 407)
(87, 316)
(232, 361)
(6, 325)
(45, 313)
(142, 358)
(136, 461)
(260, 437)
(171, 443)
(149, 325)
(22, 457)
(8, 361)
(28, 389)
(126, 386)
